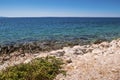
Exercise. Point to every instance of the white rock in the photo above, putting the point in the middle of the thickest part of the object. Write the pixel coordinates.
(68, 60)
(97, 50)
(77, 47)
(27, 61)
(58, 53)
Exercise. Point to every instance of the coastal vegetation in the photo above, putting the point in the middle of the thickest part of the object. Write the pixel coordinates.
(38, 69)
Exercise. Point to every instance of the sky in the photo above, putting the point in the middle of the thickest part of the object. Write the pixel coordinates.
(60, 8)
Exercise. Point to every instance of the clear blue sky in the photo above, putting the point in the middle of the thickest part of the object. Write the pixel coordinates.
(60, 8)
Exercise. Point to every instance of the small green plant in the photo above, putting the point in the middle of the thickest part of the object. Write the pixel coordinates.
(38, 69)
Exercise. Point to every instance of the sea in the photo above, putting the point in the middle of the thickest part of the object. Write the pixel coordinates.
(29, 29)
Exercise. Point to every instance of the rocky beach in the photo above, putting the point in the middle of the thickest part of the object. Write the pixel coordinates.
(97, 61)
(59, 39)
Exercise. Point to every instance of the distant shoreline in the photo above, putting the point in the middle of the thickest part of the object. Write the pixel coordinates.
(59, 17)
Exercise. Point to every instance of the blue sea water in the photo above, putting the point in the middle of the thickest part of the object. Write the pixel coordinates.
(32, 29)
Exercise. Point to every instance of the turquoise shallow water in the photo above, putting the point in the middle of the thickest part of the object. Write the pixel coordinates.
(63, 29)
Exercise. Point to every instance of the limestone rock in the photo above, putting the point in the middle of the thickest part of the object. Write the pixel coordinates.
(58, 53)
(28, 60)
(99, 61)
(68, 60)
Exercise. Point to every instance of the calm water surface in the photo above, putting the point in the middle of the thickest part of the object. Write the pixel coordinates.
(32, 29)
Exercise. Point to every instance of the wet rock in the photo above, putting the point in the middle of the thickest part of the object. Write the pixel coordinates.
(105, 44)
(98, 41)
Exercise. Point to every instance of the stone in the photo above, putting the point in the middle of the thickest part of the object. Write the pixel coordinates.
(22, 55)
(27, 61)
(68, 60)
(6, 58)
(98, 41)
(97, 50)
(78, 52)
(68, 51)
(60, 53)
(77, 47)
(104, 44)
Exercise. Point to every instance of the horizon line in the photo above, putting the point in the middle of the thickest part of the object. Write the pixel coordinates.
(58, 17)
